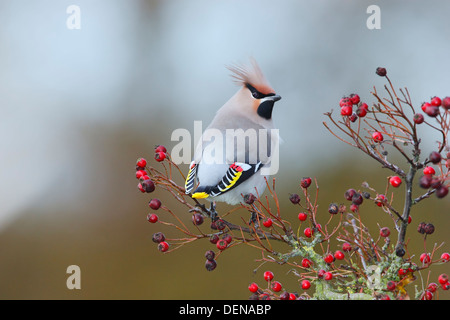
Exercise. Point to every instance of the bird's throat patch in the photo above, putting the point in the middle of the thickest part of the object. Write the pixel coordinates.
(265, 109)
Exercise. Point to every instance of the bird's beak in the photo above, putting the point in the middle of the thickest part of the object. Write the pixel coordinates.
(275, 98)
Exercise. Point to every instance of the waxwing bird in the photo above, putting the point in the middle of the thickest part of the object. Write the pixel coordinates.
(235, 149)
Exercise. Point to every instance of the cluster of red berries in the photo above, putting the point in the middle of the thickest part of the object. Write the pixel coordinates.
(338, 254)
(221, 243)
(145, 184)
(158, 237)
(347, 103)
(431, 288)
(357, 198)
(429, 180)
(160, 153)
(432, 108)
(275, 287)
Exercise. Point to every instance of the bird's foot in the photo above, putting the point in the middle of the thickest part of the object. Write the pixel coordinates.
(212, 212)
(254, 218)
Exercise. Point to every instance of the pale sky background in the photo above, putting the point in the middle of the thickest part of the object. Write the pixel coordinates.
(78, 107)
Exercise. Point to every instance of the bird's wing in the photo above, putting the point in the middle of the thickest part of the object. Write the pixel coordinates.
(237, 173)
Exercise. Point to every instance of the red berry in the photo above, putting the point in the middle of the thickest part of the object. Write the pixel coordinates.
(210, 265)
(354, 207)
(302, 216)
(308, 232)
(140, 173)
(443, 278)
(306, 263)
(227, 238)
(355, 98)
(353, 117)
(141, 162)
(339, 255)
(445, 286)
(381, 71)
(385, 232)
(210, 255)
(160, 149)
(147, 185)
(197, 219)
(276, 286)
(435, 157)
(436, 101)
(163, 246)
(333, 208)
(328, 258)
(425, 258)
(292, 296)
(364, 106)
(377, 136)
(445, 257)
(432, 111)
(152, 218)
(380, 200)
(320, 273)
(141, 188)
(219, 224)
(446, 103)
(306, 284)
(346, 110)
(429, 170)
(253, 287)
(160, 156)
(357, 199)
(349, 194)
(402, 272)
(346, 247)
(432, 287)
(221, 244)
(305, 182)
(409, 219)
(284, 296)
(345, 101)
(427, 295)
(418, 118)
(425, 105)
(158, 237)
(294, 198)
(395, 181)
(154, 204)
(391, 285)
(214, 238)
(328, 276)
(267, 223)
(268, 275)
(425, 181)
(442, 191)
(143, 178)
(361, 112)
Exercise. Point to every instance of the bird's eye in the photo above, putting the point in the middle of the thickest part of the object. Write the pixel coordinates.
(255, 95)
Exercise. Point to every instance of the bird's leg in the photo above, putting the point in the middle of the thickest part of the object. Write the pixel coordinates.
(202, 207)
(254, 218)
(212, 211)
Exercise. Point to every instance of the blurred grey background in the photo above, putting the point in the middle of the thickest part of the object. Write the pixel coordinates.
(78, 107)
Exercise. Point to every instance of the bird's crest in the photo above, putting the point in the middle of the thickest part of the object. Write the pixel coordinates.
(251, 75)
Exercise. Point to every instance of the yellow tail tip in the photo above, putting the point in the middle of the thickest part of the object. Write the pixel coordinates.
(200, 195)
